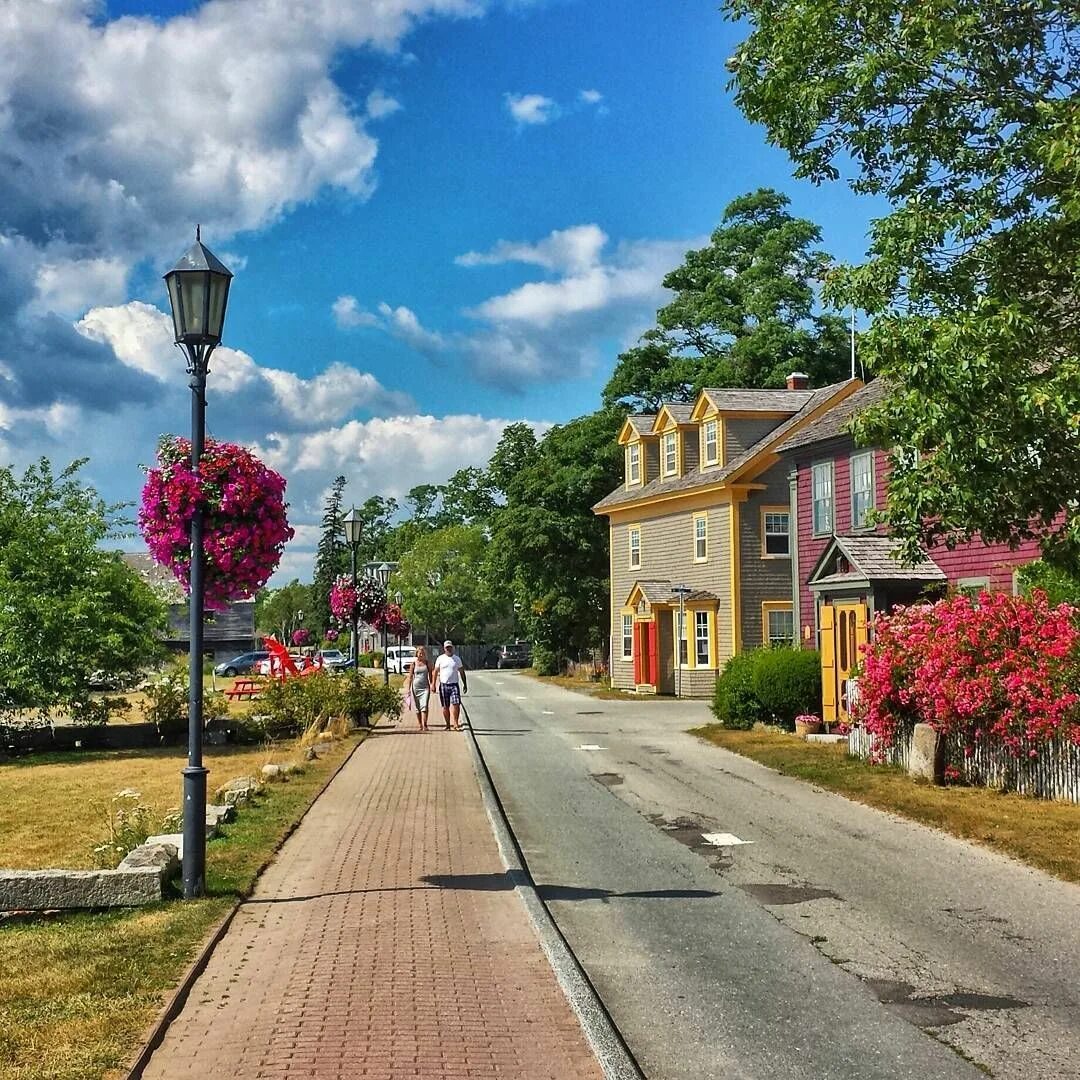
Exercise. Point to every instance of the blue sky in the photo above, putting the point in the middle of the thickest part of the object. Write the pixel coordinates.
(443, 216)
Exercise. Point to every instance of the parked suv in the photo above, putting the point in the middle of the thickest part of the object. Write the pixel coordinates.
(243, 664)
(516, 655)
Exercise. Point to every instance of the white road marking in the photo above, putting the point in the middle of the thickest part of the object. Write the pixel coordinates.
(547, 712)
(519, 697)
(590, 746)
(723, 839)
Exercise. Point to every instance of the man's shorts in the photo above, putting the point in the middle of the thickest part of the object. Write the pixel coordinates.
(449, 694)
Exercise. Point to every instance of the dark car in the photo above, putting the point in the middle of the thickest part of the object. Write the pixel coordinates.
(516, 655)
(243, 664)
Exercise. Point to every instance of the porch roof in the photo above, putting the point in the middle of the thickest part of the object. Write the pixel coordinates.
(659, 592)
(871, 558)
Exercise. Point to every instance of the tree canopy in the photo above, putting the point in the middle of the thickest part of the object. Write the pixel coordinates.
(745, 312)
(69, 609)
(964, 118)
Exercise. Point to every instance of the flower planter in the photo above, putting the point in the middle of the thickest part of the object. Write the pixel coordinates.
(807, 727)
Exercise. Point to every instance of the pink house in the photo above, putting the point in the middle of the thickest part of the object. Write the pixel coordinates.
(843, 569)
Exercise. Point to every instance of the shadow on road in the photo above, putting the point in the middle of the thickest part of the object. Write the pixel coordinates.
(497, 882)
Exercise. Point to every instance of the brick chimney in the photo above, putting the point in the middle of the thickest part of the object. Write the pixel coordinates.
(798, 380)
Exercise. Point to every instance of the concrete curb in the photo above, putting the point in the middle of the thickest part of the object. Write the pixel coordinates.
(179, 997)
(603, 1036)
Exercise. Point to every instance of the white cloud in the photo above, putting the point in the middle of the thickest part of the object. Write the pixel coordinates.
(591, 97)
(70, 286)
(531, 109)
(404, 325)
(348, 314)
(380, 104)
(573, 249)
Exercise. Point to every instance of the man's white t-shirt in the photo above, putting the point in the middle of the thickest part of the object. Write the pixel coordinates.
(447, 668)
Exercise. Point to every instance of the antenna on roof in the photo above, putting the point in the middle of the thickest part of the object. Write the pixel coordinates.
(853, 341)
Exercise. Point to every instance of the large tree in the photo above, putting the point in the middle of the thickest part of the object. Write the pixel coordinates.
(283, 610)
(964, 117)
(548, 548)
(745, 312)
(69, 609)
(331, 556)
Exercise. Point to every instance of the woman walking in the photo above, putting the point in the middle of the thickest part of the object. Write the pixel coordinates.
(418, 682)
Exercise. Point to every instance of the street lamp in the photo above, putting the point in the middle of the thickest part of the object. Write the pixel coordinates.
(398, 599)
(353, 525)
(383, 573)
(682, 592)
(198, 292)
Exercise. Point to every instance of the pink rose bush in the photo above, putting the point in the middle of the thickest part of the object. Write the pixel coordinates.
(999, 666)
(245, 524)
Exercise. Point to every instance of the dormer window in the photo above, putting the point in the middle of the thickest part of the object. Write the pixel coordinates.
(669, 446)
(633, 463)
(710, 437)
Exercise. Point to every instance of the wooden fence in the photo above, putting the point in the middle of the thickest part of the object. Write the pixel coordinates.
(1053, 772)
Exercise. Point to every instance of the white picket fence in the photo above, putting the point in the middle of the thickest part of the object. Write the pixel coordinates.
(1052, 773)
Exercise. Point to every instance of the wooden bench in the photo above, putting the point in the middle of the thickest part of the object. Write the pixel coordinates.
(244, 689)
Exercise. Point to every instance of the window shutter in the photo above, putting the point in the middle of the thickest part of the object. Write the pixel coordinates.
(638, 636)
(654, 665)
(828, 663)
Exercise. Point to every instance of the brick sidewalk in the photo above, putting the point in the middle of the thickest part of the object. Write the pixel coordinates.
(384, 941)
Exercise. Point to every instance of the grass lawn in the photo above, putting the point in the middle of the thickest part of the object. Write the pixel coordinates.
(78, 991)
(1039, 832)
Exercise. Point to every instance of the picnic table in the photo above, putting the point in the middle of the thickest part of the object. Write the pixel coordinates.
(244, 688)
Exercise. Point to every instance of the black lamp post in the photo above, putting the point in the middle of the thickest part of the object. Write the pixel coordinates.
(353, 525)
(398, 598)
(383, 574)
(198, 292)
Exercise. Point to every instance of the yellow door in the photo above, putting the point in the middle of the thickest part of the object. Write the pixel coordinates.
(849, 634)
(828, 663)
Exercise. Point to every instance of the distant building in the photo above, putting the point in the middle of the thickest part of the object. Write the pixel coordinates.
(225, 634)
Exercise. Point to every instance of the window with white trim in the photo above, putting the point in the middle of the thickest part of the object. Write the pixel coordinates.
(822, 489)
(777, 527)
(635, 547)
(701, 538)
(781, 627)
(710, 437)
(862, 489)
(671, 453)
(702, 637)
(633, 463)
(628, 637)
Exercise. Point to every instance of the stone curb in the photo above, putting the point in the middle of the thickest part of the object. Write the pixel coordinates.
(605, 1041)
(172, 1008)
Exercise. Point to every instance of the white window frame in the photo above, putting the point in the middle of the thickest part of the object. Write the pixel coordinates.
(700, 640)
(627, 637)
(633, 467)
(867, 456)
(713, 424)
(669, 446)
(973, 586)
(775, 640)
(701, 539)
(634, 530)
(823, 468)
(766, 513)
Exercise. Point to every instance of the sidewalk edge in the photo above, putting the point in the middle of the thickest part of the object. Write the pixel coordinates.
(178, 1000)
(605, 1041)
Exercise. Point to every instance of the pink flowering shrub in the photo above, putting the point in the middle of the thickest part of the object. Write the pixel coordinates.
(366, 599)
(1002, 666)
(245, 524)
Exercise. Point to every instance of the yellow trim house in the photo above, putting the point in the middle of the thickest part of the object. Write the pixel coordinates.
(703, 505)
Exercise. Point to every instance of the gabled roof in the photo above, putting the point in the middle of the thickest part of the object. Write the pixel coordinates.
(742, 400)
(714, 477)
(659, 592)
(676, 411)
(836, 422)
(872, 558)
(637, 425)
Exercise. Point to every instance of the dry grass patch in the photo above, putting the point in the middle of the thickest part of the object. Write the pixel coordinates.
(54, 807)
(79, 991)
(1040, 832)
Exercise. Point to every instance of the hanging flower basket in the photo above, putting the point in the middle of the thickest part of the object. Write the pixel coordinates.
(364, 600)
(245, 527)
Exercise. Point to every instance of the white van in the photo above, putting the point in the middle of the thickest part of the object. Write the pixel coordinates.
(399, 657)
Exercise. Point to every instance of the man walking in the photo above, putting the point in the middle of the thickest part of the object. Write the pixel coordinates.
(451, 683)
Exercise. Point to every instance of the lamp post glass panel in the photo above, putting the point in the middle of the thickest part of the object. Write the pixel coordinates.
(682, 592)
(353, 526)
(198, 294)
(398, 598)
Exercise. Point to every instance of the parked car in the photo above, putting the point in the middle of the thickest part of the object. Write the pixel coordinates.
(244, 664)
(334, 659)
(516, 655)
(399, 657)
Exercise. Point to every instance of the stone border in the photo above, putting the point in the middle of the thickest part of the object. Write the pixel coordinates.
(172, 1008)
(604, 1038)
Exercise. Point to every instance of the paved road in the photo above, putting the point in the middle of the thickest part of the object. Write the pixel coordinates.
(839, 943)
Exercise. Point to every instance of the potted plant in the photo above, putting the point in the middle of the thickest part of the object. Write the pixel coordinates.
(807, 724)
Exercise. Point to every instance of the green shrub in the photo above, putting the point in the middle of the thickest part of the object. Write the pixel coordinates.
(290, 707)
(735, 704)
(363, 698)
(787, 682)
(166, 704)
(1060, 585)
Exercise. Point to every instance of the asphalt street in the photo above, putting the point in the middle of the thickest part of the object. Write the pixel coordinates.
(811, 938)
